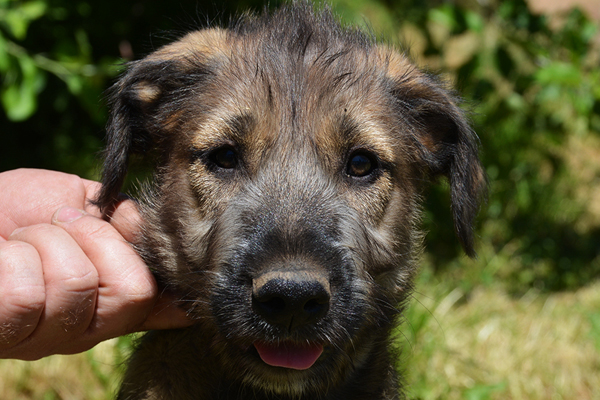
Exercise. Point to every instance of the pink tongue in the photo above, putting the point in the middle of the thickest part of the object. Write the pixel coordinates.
(289, 355)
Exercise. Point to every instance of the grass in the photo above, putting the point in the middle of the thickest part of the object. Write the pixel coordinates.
(93, 375)
(485, 344)
(474, 344)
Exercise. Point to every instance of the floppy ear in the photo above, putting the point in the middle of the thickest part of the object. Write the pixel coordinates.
(146, 104)
(447, 144)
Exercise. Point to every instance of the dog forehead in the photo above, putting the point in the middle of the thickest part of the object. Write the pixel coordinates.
(263, 85)
(331, 106)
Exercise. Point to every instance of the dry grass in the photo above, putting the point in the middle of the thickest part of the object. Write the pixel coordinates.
(489, 345)
(93, 375)
(484, 345)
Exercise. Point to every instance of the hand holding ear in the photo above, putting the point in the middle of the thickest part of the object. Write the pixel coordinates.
(68, 279)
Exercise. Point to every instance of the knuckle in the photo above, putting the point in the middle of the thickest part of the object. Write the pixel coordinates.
(20, 310)
(19, 287)
(81, 280)
(78, 293)
(17, 322)
(22, 301)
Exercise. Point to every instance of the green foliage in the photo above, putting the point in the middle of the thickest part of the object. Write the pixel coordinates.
(50, 73)
(16, 17)
(25, 73)
(533, 90)
(22, 80)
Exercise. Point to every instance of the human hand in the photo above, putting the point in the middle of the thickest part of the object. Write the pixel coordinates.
(68, 279)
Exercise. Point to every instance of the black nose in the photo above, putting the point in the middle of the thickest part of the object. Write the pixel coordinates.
(291, 299)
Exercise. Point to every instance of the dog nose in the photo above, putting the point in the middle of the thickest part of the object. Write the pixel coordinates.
(291, 299)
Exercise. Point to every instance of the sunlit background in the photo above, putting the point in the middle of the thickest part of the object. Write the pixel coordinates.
(520, 322)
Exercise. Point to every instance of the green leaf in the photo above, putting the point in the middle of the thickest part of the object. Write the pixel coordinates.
(444, 16)
(20, 99)
(18, 103)
(4, 57)
(560, 73)
(33, 10)
(474, 21)
(18, 19)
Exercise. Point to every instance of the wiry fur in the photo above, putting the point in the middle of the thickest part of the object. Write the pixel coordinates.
(295, 97)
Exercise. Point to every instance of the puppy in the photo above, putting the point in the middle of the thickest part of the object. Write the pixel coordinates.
(290, 154)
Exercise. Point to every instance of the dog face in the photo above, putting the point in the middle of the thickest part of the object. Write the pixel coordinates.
(290, 157)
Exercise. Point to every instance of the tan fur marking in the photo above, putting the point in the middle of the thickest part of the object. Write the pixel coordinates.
(206, 43)
(397, 64)
(146, 92)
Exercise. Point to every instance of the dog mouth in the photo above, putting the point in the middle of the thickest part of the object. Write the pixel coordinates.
(288, 354)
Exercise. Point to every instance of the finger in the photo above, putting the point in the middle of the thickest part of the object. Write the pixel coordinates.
(71, 283)
(31, 196)
(126, 220)
(22, 292)
(127, 289)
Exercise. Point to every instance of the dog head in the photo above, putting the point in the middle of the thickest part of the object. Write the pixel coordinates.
(290, 156)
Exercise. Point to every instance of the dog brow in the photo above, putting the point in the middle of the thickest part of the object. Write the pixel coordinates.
(368, 136)
(219, 131)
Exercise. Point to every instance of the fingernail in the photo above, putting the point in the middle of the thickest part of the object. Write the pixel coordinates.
(68, 214)
(16, 231)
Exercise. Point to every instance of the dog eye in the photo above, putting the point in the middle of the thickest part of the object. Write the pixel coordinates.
(361, 164)
(224, 157)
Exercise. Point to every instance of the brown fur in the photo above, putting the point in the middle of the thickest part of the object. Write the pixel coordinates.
(290, 156)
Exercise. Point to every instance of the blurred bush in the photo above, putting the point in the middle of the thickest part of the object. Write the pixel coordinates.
(533, 87)
(58, 57)
(535, 93)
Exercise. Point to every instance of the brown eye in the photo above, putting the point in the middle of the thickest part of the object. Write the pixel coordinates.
(361, 164)
(224, 157)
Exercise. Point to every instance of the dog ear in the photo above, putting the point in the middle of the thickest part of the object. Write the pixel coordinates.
(445, 141)
(147, 99)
